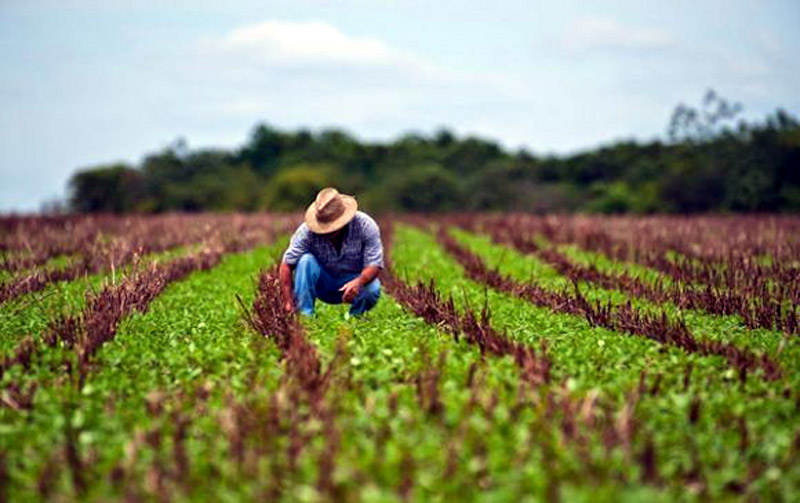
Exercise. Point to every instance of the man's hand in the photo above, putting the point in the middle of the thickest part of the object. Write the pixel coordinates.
(350, 290)
(288, 306)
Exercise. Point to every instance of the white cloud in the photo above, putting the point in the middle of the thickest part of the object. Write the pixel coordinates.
(313, 73)
(605, 34)
(310, 42)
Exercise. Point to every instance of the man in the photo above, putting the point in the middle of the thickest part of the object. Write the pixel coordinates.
(336, 256)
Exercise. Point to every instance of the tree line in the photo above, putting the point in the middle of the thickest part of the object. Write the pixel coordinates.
(709, 161)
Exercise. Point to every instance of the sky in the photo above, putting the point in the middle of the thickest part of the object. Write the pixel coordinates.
(85, 82)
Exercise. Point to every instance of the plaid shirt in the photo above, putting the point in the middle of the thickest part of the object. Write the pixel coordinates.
(361, 247)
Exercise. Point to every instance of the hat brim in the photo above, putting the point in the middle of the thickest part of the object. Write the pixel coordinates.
(350, 208)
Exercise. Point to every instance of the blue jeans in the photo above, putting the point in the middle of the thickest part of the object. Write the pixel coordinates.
(312, 281)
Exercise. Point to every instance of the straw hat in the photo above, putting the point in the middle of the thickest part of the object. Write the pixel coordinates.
(330, 211)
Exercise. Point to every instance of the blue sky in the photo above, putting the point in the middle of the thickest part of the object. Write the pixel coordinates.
(89, 81)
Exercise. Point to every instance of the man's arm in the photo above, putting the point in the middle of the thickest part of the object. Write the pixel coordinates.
(285, 275)
(373, 260)
(351, 289)
(297, 247)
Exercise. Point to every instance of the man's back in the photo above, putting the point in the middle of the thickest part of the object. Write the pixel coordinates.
(361, 246)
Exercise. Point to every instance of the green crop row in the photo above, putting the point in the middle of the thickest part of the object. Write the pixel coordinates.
(415, 414)
(702, 325)
(611, 364)
(191, 336)
(53, 263)
(30, 314)
(470, 450)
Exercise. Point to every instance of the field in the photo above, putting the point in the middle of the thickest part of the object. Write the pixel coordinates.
(510, 358)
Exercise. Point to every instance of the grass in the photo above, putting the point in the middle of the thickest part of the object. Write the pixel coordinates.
(703, 325)
(29, 314)
(595, 359)
(412, 414)
(191, 336)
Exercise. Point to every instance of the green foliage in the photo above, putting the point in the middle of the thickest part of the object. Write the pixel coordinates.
(709, 163)
(620, 197)
(593, 360)
(195, 181)
(114, 188)
(294, 187)
(169, 402)
(426, 187)
(191, 335)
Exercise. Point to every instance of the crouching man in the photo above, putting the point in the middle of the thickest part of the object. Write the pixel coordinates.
(336, 256)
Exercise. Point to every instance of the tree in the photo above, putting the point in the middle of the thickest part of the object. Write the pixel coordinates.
(264, 150)
(110, 188)
(470, 155)
(699, 125)
(294, 187)
(707, 165)
(426, 187)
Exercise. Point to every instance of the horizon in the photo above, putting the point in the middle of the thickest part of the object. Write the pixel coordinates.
(91, 82)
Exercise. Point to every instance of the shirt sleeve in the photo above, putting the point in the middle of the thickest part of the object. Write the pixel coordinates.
(373, 247)
(297, 246)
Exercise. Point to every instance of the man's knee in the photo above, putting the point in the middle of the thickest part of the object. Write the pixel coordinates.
(373, 290)
(306, 272)
(307, 261)
(308, 267)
